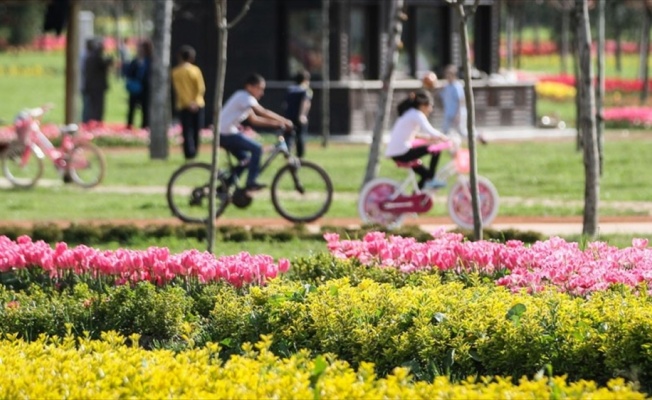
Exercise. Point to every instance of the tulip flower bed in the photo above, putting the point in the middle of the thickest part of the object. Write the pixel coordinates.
(106, 133)
(155, 265)
(554, 263)
(442, 308)
(618, 112)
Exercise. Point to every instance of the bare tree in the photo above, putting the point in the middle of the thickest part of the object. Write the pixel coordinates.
(645, 49)
(385, 102)
(160, 80)
(599, 99)
(325, 68)
(223, 27)
(587, 120)
(565, 7)
(72, 60)
(464, 14)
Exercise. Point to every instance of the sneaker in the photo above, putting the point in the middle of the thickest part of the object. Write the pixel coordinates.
(255, 187)
(482, 139)
(434, 184)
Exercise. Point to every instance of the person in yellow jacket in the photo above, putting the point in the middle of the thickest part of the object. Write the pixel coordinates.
(189, 88)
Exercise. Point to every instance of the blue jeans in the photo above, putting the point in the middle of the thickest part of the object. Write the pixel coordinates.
(244, 148)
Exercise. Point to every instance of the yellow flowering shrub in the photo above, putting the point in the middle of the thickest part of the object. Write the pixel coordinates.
(555, 90)
(84, 368)
(447, 329)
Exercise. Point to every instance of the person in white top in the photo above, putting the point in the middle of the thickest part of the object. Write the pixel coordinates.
(411, 124)
(243, 106)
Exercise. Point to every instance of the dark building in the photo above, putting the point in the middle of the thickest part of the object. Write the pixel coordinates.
(277, 38)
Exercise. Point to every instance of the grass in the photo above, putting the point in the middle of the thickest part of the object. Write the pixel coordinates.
(549, 174)
(30, 79)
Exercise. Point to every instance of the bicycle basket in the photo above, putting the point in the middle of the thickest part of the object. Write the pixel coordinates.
(462, 162)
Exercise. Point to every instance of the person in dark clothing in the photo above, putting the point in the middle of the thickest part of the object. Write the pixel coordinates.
(297, 105)
(96, 70)
(137, 83)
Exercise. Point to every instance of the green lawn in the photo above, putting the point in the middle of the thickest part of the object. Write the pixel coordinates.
(548, 174)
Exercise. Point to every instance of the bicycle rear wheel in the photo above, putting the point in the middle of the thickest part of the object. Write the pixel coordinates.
(188, 191)
(21, 166)
(302, 192)
(86, 165)
(372, 195)
(460, 207)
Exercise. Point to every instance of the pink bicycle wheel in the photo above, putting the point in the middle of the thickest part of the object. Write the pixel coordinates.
(372, 195)
(460, 207)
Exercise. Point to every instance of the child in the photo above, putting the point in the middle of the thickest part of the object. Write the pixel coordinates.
(412, 123)
(297, 105)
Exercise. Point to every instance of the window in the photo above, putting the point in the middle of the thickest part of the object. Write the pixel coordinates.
(429, 51)
(304, 47)
(358, 42)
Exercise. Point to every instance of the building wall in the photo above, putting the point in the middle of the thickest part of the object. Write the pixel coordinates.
(259, 43)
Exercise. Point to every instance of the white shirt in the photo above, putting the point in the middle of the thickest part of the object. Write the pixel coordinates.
(236, 110)
(406, 128)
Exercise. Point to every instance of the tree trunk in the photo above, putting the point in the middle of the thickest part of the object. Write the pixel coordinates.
(385, 101)
(223, 27)
(159, 109)
(220, 6)
(601, 84)
(645, 54)
(72, 61)
(510, 37)
(565, 27)
(617, 9)
(520, 16)
(470, 119)
(587, 121)
(325, 48)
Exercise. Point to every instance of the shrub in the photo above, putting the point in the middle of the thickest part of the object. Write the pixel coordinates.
(122, 234)
(47, 232)
(82, 234)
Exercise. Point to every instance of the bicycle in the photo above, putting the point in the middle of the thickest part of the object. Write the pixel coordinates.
(75, 158)
(387, 202)
(301, 190)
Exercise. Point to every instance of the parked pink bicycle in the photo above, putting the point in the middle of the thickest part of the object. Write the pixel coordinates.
(76, 158)
(387, 202)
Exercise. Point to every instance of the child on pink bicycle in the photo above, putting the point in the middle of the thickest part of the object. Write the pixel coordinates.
(406, 144)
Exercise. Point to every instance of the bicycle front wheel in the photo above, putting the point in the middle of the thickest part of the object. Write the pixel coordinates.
(188, 191)
(302, 192)
(372, 195)
(86, 165)
(21, 166)
(460, 206)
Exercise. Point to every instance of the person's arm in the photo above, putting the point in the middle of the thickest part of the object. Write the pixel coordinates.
(305, 108)
(268, 118)
(428, 130)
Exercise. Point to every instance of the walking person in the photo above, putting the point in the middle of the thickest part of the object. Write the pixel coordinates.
(243, 106)
(189, 88)
(137, 83)
(88, 49)
(454, 104)
(297, 105)
(96, 82)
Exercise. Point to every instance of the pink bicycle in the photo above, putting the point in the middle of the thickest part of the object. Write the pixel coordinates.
(387, 202)
(76, 158)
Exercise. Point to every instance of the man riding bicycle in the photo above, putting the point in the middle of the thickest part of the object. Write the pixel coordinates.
(243, 106)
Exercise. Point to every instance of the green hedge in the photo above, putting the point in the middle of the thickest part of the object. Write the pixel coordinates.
(92, 234)
(431, 323)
